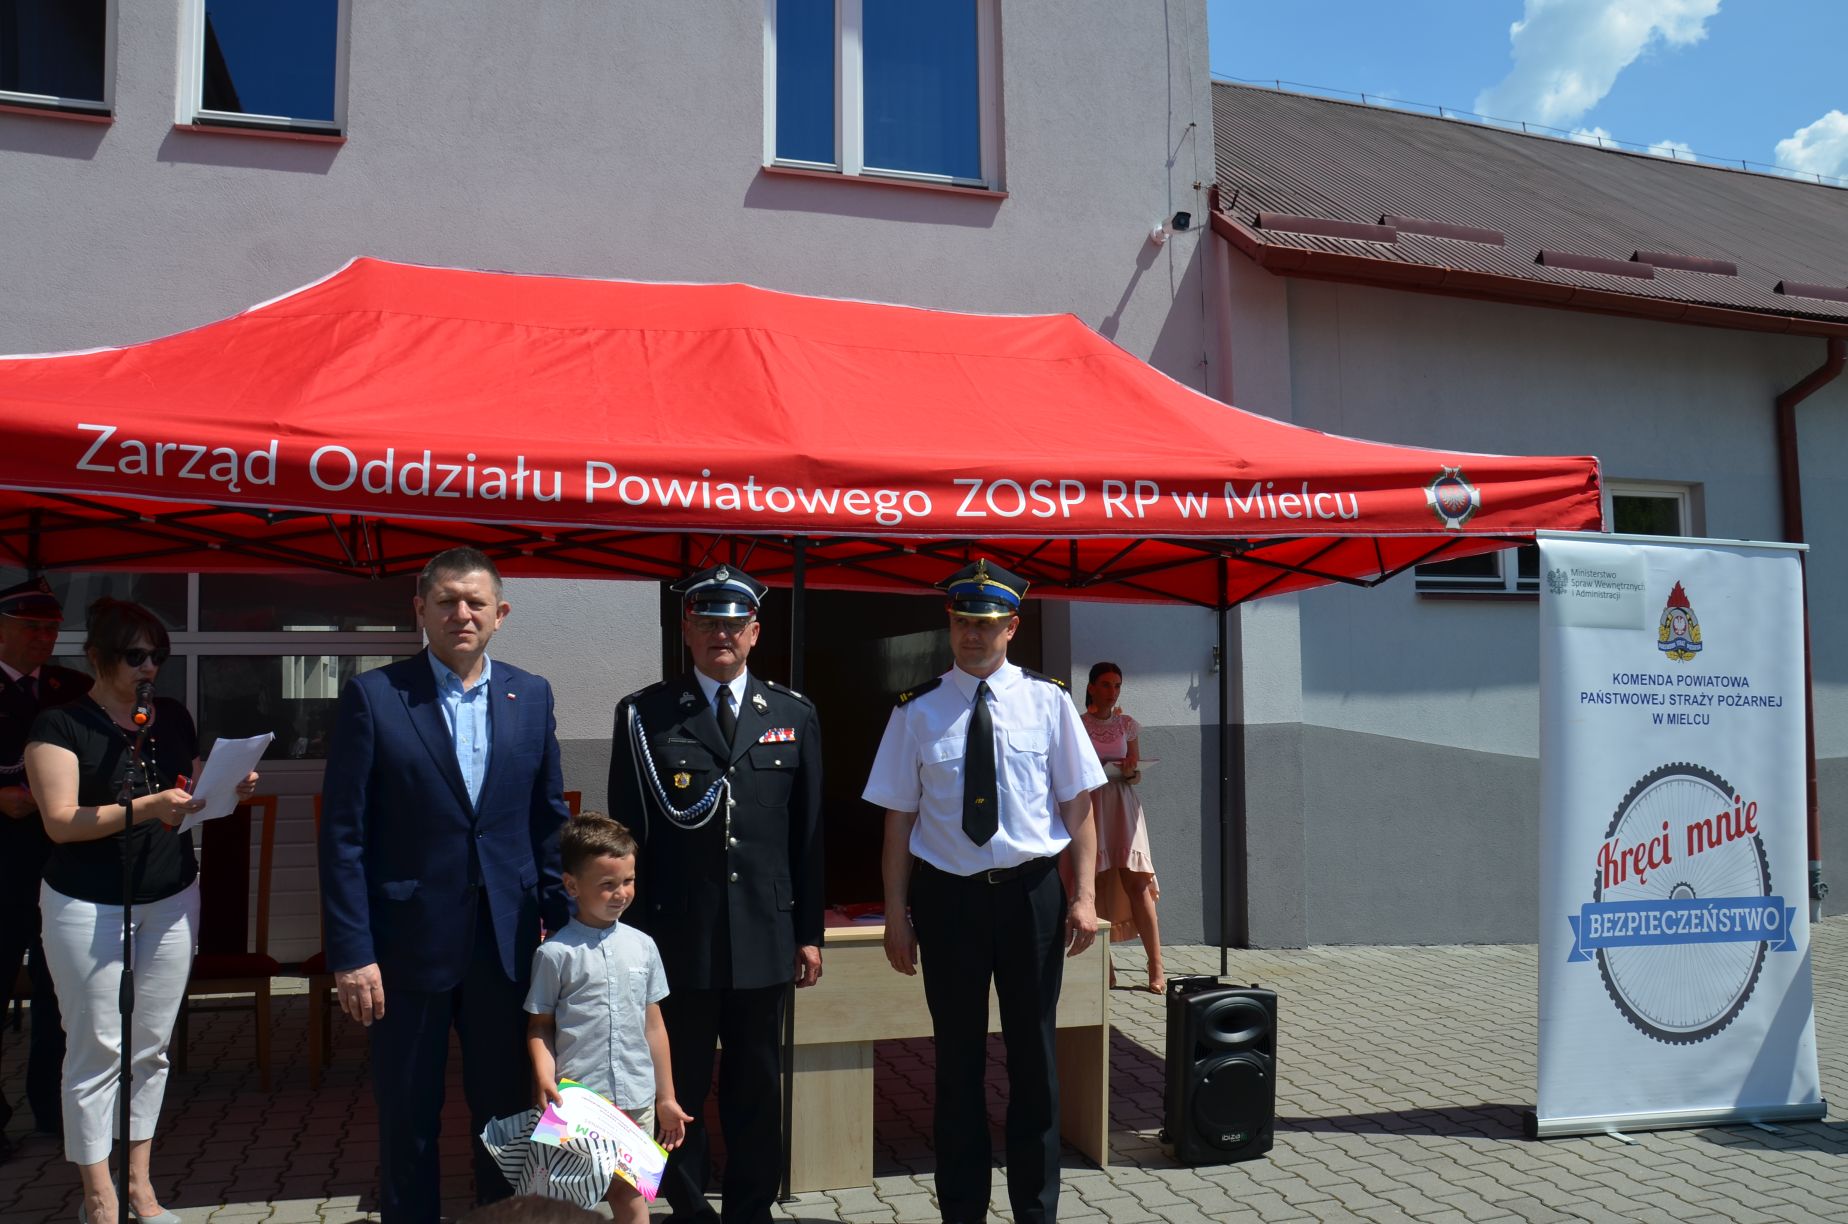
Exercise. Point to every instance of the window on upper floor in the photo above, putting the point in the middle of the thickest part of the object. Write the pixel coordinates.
(1634, 507)
(887, 88)
(55, 54)
(267, 64)
(1630, 508)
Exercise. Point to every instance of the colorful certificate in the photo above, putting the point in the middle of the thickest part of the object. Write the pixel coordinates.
(590, 1123)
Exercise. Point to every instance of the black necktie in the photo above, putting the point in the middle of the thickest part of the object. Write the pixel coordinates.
(981, 809)
(728, 715)
(28, 686)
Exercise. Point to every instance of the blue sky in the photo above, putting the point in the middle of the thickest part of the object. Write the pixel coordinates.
(1762, 80)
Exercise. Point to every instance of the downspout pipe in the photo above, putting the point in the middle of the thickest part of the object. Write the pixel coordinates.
(1790, 490)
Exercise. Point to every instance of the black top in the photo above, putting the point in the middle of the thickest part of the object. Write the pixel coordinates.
(23, 844)
(164, 862)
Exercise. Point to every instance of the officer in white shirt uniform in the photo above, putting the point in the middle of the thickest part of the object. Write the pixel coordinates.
(985, 774)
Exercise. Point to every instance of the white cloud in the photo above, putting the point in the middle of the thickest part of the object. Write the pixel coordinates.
(1593, 136)
(1820, 148)
(1568, 53)
(1679, 149)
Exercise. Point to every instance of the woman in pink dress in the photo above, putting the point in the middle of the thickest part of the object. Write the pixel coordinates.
(1126, 887)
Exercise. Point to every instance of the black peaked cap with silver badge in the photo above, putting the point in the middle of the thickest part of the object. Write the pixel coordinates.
(720, 590)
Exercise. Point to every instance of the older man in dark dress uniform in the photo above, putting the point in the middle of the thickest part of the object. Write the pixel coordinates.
(718, 774)
(29, 682)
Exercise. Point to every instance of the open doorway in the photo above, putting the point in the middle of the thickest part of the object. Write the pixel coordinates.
(861, 651)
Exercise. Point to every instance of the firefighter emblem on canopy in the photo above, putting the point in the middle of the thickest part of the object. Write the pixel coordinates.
(1452, 498)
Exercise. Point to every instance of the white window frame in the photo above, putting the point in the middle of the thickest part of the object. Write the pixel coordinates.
(191, 110)
(849, 106)
(104, 105)
(1681, 493)
(194, 644)
(1506, 580)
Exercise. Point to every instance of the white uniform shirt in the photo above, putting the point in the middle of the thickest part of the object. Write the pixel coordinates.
(1042, 758)
(710, 688)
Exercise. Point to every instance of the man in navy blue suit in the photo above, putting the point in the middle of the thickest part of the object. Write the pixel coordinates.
(441, 811)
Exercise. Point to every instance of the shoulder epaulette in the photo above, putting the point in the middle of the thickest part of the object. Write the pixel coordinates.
(784, 688)
(911, 694)
(64, 680)
(1028, 671)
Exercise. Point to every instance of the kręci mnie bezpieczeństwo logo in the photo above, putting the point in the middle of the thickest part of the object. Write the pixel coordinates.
(1682, 909)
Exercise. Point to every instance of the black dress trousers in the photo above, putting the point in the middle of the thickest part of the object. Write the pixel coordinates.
(410, 1055)
(971, 933)
(19, 940)
(746, 1025)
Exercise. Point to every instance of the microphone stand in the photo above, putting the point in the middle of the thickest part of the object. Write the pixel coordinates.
(125, 999)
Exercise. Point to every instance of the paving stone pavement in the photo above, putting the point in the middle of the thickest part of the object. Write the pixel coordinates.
(1403, 1073)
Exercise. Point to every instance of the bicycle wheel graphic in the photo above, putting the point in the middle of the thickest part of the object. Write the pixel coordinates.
(1683, 993)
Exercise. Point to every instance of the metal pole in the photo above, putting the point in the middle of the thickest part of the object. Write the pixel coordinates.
(125, 997)
(798, 600)
(1225, 778)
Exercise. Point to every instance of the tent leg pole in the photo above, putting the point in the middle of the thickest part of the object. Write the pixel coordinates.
(1225, 779)
(798, 600)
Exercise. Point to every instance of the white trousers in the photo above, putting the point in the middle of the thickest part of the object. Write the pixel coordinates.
(83, 947)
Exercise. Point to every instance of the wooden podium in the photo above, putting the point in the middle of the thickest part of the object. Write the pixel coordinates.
(861, 999)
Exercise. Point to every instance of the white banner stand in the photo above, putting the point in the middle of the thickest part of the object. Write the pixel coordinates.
(1674, 924)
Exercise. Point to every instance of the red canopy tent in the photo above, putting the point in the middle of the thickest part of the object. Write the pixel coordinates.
(609, 428)
(584, 427)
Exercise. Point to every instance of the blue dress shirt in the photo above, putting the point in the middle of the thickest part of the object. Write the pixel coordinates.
(466, 712)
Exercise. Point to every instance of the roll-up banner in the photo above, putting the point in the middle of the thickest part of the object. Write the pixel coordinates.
(1674, 920)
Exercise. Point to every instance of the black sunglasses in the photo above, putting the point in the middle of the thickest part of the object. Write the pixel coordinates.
(135, 656)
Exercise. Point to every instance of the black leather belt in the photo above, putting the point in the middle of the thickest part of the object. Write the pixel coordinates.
(998, 875)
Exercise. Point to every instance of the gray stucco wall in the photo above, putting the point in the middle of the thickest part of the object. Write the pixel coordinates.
(1413, 754)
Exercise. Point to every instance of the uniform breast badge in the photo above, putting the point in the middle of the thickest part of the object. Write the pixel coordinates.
(682, 781)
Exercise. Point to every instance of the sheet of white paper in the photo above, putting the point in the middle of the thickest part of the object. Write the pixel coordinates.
(230, 761)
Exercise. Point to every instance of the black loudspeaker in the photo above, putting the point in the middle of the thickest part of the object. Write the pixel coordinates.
(1222, 1071)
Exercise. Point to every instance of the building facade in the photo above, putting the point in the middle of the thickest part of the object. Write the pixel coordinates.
(165, 165)
(1390, 736)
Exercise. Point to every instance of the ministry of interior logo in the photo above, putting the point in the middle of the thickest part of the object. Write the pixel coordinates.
(1558, 581)
(1452, 498)
(1678, 632)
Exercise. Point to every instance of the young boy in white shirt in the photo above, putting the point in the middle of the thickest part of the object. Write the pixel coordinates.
(595, 1003)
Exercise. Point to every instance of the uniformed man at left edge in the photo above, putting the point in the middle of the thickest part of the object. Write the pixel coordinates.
(29, 682)
(718, 775)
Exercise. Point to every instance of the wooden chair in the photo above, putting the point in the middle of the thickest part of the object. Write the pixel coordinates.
(321, 1004)
(229, 961)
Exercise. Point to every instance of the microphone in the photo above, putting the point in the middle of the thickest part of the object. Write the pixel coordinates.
(144, 703)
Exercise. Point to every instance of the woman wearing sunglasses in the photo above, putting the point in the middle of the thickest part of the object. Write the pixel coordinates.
(76, 761)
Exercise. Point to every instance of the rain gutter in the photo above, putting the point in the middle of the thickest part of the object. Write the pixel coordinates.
(1790, 482)
(1490, 286)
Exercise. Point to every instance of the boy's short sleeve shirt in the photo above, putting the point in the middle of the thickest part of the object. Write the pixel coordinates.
(597, 985)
